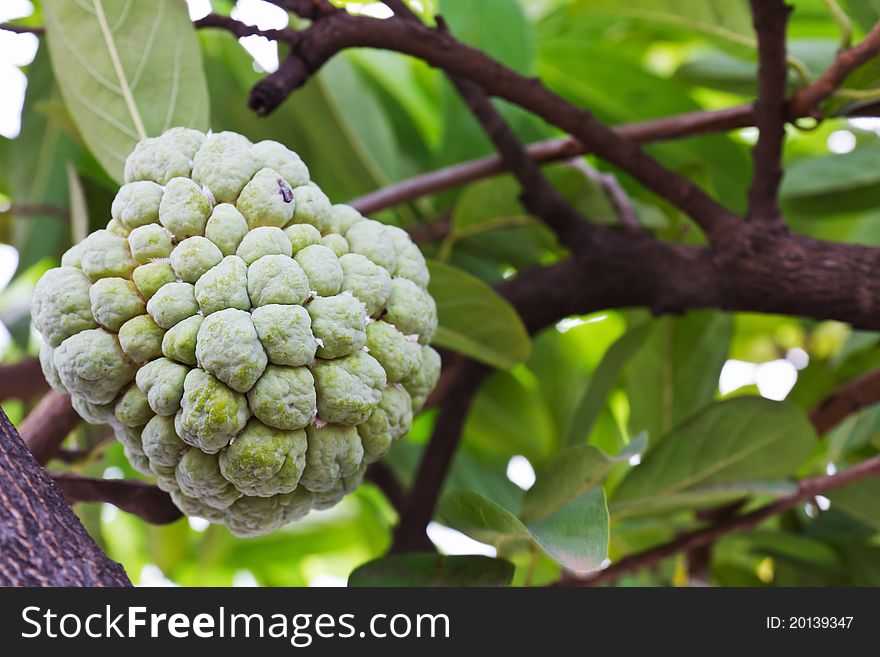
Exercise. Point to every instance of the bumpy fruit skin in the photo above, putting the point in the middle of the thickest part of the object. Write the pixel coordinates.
(253, 346)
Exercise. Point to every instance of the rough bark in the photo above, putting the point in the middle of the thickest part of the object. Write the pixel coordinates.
(42, 542)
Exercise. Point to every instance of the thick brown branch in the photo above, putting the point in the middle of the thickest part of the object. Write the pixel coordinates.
(806, 490)
(541, 199)
(420, 503)
(770, 18)
(340, 30)
(22, 380)
(42, 542)
(311, 9)
(47, 425)
(142, 499)
(537, 195)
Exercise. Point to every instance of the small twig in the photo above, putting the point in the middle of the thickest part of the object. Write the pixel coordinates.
(807, 489)
(45, 427)
(241, 30)
(617, 196)
(843, 22)
(142, 499)
(770, 18)
(22, 29)
(431, 230)
(422, 499)
(836, 407)
(845, 401)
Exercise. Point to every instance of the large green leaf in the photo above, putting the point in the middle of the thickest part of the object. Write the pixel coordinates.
(127, 70)
(573, 472)
(676, 372)
(731, 449)
(474, 320)
(509, 417)
(726, 22)
(596, 394)
(433, 570)
(499, 28)
(575, 535)
(38, 160)
(861, 500)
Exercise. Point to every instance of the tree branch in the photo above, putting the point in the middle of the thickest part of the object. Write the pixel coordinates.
(42, 542)
(142, 499)
(836, 407)
(806, 101)
(340, 30)
(22, 29)
(850, 398)
(540, 198)
(770, 19)
(311, 9)
(806, 490)
(47, 425)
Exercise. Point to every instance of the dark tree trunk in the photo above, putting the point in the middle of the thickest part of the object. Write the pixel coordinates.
(42, 542)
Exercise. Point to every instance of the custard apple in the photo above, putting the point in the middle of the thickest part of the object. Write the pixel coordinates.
(252, 345)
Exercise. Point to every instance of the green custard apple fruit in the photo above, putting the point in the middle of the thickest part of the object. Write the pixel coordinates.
(253, 346)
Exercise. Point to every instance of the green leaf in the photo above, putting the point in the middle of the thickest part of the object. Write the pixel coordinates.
(834, 183)
(731, 449)
(37, 161)
(676, 372)
(720, 70)
(861, 500)
(483, 520)
(726, 22)
(433, 570)
(572, 473)
(575, 535)
(602, 382)
(510, 417)
(127, 70)
(475, 320)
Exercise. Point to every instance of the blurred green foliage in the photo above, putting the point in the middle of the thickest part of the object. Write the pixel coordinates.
(588, 398)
